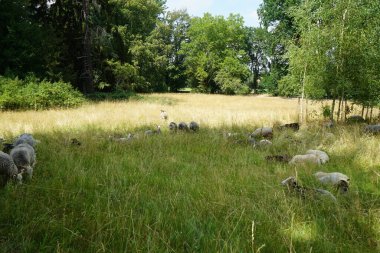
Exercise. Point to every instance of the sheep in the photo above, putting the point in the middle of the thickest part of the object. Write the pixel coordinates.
(355, 119)
(294, 126)
(261, 143)
(152, 132)
(303, 159)
(293, 186)
(183, 126)
(194, 126)
(25, 138)
(173, 127)
(337, 179)
(24, 157)
(372, 129)
(263, 132)
(164, 115)
(8, 169)
(321, 155)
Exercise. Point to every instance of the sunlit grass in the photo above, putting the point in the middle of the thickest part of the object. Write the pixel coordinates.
(186, 192)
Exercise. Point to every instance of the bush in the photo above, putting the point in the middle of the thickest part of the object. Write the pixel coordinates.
(38, 95)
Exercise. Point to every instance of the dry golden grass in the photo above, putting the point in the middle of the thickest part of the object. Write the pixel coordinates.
(210, 110)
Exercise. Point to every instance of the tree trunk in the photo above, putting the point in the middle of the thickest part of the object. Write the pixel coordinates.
(363, 107)
(303, 94)
(345, 109)
(332, 109)
(86, 76)
(370, 115)
(338, 113)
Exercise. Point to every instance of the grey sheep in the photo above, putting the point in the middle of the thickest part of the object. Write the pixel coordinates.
(24, 158)
(263, 132)
(173, 127)
(194, 126)
(372, 129)
(8, 169)
(183, 126)
(25, 138)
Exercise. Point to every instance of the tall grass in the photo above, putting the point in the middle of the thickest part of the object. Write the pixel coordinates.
(189, 192)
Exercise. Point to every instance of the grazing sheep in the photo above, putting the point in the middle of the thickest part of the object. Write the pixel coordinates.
(24, 157)
(337, 179)
(293, 186)
(294, 126)
(278, 158)
(152, 132)
(266, 132)
(183, 126)
(258, 144)
(303, 159)
(194, 126)
(355, 119)
(373, 129)
(173, 127)
(8, 169)
(25, 138)
(164, 115)
(321, 155)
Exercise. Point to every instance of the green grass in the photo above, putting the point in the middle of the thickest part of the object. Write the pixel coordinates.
(190, 193)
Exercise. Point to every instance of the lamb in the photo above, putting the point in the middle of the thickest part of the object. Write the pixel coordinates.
(151, 132)
(263, 132)
(183, 126)
(303, 159)
(164, 115)
(173, 127)
(372, 129)
(337, 179)
(25, 138)
(293, 186)
(194, 126)
(8, 169)
(24, 158)
(321, 155)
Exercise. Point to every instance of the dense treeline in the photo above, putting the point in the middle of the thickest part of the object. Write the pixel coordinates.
(308, 48)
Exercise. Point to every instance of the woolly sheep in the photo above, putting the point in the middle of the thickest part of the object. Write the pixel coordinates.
(261, 143)
(293, 186)
(372, 129)
(183, 126)
(355, 119)
(173, 126)
(24, 157)
(321, 155)
(164, 115)
(25, 138)
(337, 179)
(263, 131)
(194, 126)
(8, 169)
(303, 159)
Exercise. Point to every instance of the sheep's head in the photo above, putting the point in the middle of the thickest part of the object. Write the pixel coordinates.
(343, 186)
(290, 182)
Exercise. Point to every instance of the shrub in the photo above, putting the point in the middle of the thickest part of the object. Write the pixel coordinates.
(34, 94)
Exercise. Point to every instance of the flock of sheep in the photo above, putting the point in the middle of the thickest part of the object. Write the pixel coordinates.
(20, 160)
(22, 156)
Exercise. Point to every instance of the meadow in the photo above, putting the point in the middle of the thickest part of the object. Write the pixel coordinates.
(187, 192)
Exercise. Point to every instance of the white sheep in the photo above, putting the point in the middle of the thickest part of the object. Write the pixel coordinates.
(24, 157)
(341, 181)
(293, 186)
(321, 154)
(307, 158)
(164, 115)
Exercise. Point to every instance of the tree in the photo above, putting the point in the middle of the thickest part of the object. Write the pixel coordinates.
(212, 42)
